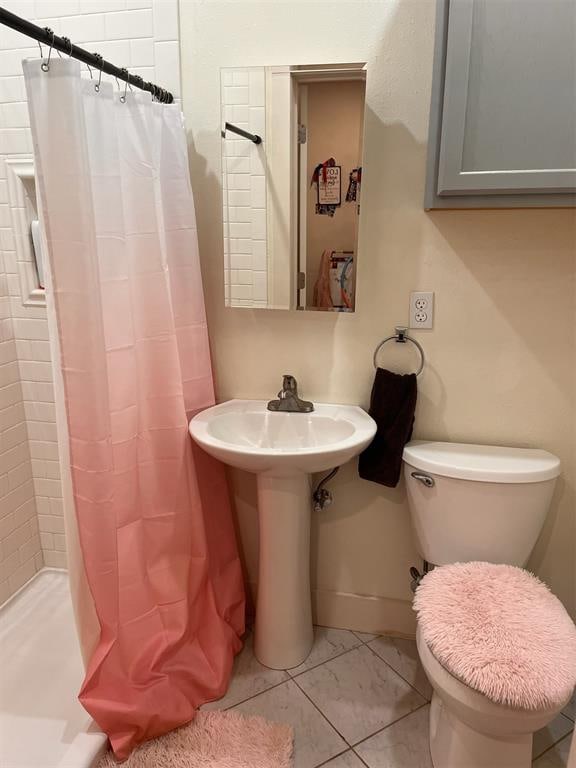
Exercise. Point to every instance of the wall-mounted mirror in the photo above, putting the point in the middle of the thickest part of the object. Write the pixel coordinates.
(292, 157)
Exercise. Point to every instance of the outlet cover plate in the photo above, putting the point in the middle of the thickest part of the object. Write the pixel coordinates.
(421, 309)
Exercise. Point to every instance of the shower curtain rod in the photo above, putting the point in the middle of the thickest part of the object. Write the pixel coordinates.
(63, 44)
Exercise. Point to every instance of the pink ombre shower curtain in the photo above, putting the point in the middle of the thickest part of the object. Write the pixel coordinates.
(153, 517)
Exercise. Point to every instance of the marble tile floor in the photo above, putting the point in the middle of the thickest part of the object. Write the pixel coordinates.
(359, 700)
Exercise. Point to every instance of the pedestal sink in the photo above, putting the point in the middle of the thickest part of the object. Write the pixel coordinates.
(284, 449)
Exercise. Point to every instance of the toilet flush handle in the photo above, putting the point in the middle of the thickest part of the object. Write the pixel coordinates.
(426, 479)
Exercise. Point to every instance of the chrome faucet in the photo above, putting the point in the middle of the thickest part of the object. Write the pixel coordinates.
(288, 399)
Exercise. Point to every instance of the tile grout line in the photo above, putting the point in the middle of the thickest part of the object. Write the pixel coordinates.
(340, 754)
(352, 746)
(367, 644)
(359, 758)
(319, 664)
(315, 666)
(290, 677)
(550, 748)
(555, 743)
(293, 679)
(349, 747)
(249, 698)
(323, 715)
(335, 757)
(380, 730)
(399, 675)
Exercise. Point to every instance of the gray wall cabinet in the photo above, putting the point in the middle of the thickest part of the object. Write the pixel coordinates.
(503, 112)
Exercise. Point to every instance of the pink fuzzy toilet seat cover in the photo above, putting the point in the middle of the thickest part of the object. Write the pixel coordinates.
(500, 630)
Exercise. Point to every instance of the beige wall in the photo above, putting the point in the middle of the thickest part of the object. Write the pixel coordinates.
(501, 360)
(334, 122)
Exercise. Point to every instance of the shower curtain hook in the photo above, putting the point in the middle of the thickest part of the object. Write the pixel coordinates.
(123, 97)
(97, 86)
(66, 40)
(45, 66)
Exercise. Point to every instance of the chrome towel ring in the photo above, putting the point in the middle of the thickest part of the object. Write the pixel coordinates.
(401, 336)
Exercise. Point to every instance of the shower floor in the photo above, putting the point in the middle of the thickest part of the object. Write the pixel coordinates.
(42, 725)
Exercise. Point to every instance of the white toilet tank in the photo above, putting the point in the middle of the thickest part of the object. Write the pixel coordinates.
(477, 502)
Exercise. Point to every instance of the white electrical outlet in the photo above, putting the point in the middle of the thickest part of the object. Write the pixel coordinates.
(421, 309)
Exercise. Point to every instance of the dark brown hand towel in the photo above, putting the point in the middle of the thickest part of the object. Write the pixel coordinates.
(392, 406)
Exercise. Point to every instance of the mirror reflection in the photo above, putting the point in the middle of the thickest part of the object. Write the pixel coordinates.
(292, 149)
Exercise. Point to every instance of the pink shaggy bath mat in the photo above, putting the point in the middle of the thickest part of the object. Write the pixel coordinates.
(501, 631)
(215, 740)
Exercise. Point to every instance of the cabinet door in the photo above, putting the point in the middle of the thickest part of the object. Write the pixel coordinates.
(508, 107)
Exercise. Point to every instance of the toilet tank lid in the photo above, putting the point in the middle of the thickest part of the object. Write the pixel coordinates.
(484, 463)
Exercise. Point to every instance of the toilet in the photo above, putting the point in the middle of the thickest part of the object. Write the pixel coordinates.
(479, 510)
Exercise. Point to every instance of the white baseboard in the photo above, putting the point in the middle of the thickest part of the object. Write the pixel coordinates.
(364, 613)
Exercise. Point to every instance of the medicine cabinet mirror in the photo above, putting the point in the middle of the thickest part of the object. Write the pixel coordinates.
(292, 159)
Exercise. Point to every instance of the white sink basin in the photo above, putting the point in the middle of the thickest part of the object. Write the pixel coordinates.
(284, 449)
(244, 434)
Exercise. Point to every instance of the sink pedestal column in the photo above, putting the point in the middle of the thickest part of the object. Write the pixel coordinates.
(283, 633)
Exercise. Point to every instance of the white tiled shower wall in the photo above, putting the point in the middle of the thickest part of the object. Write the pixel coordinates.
(143, 36)
(244, 188)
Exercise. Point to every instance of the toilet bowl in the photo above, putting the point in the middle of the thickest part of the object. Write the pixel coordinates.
(477, 503)
(467, 730)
